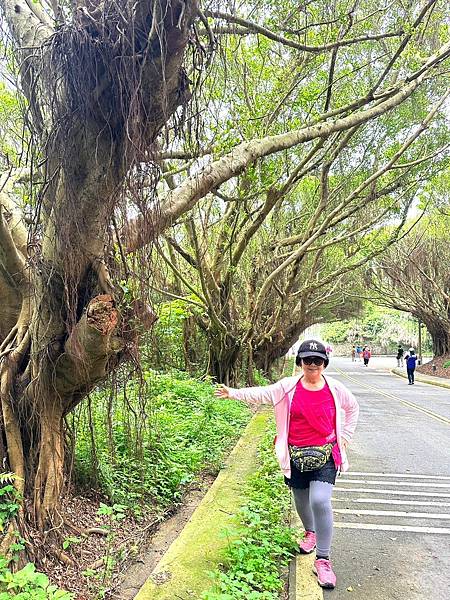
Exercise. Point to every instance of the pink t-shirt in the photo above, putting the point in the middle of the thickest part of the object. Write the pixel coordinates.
(313, 417)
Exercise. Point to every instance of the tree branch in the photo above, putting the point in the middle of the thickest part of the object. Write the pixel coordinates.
(39, 13)
(179, 275)
(184, 197)
(404, 43)
(10, 258)
(90, 347)
(326, 223)
(187, 257)
(292, 44)
(176, 297)
(16, 222)
(202, 270)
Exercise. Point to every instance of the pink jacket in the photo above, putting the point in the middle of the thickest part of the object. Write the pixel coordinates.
(280, 394)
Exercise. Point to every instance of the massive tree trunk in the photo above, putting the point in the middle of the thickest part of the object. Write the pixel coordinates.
(439, 331)
(119, 77)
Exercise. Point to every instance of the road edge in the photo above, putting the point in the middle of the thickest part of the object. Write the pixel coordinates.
(302, 581)
(422, 378)
(182, 570)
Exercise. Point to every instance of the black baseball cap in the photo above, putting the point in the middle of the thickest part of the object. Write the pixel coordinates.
(311, 348)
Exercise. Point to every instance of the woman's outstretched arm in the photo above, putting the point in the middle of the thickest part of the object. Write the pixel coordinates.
(254, 396)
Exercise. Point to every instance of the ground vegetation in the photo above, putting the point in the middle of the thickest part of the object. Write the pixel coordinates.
(222, 169)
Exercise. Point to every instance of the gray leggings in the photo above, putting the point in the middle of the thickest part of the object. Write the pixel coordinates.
(313, 505)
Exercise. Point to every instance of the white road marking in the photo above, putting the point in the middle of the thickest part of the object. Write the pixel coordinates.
(415, 475)
(404, 483)
(399, 528)
(385, 501)
(393, 492)
(393, 513)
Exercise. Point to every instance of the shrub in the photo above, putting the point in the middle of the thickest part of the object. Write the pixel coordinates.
(148, 442)
(9, 499)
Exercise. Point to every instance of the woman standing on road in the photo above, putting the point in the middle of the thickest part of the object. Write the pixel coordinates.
(366, 355)
(411, 360)
(315, 418)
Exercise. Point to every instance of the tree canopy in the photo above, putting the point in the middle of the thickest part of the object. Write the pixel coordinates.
(260, 154)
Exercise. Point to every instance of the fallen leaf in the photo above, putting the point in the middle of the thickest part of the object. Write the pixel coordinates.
(350, 589)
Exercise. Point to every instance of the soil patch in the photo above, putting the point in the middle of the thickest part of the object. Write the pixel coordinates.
(440, 371)
(134, 545)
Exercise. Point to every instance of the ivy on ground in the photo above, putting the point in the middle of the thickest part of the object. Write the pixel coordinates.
(262, 543)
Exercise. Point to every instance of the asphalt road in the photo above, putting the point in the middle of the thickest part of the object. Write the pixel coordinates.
(392, 509)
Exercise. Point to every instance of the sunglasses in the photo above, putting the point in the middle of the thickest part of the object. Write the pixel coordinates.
(309, 360)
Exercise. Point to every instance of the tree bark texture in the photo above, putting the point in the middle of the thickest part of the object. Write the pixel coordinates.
(100, 89)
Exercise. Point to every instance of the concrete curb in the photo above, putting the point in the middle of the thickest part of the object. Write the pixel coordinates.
(183, 570)
(439, 381)
(302, 581)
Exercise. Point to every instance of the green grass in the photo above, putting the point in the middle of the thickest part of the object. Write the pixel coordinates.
(201, 545)
(262, 542)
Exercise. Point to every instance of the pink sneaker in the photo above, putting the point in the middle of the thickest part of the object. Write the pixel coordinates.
(325, 576)
(308, 543)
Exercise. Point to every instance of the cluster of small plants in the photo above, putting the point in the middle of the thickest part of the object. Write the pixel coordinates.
(9, 499)
(154, 437)
(262, 544)
(26, 583)
(98, 580)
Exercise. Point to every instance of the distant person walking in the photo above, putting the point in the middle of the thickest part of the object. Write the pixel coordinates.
(329, 350)
(400, 354)
(353, 353)
(359, 352)
(366, 355)
(316, 417)
(411, 360)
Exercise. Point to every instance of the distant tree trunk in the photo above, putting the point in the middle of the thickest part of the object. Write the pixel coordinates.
(269, 351)
(440, 335)
(224, 360)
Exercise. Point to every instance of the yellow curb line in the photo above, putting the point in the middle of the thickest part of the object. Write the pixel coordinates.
(183, 570)
(302, 581)
(422, 379)
(426, 411)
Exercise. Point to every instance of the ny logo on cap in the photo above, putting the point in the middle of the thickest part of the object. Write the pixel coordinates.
(313, 346)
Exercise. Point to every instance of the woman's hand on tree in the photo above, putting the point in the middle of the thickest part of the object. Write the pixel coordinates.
(222, 391)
